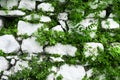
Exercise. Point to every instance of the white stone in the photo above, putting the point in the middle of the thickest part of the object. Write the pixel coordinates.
(20, 65)
(11, 57)
(54, 69)
(91, 49)
(1, 24)
(9, 4)
(27, 4)
(7, 73)
(61, 49)
(4, 64)
(27, 28)
(63, 16)
(71, 72)
(4, 78)
(46, 7)
(111, 15)
(8, 44)
(62, 1)
(91, 15)
(62, 23)
(89, 73)
(39, 0)
(110, 24)
(12, 61)
(88, 22)
(31, 46)
(51, 76)
(102, 14)
(58, 59)
(57, 28)
(94, 5)
(45, 18)
(38, 17)
(32, 16)
(12, 13)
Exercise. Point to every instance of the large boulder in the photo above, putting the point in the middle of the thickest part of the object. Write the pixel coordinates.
(8, 44)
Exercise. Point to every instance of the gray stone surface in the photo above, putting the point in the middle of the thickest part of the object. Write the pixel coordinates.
(4, 64)
(27, 4)
(11, 13)
(27, 28)
(31, 46)
(8, 44)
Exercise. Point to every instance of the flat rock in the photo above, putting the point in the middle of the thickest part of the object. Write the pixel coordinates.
(27, 4)
(61, 49)
(27, 28)
(8, 44)
(91, 49)
(31, 46)
(11, 13)
(110, 24)
(71, 72)
(8, 4)
(47, 7)
(4, 64)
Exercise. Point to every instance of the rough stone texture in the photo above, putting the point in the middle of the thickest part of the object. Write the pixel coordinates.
(109, 24)
(31, 46)
(27, 4)
(63, 16)
(27, 28)
(4, 64)
(11, 13)
(71, 72)
(47, 7)
(9, 4)
(91, 49)
(8, 44)
(61, 49)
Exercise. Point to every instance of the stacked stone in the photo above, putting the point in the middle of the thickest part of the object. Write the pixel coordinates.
(12, 44)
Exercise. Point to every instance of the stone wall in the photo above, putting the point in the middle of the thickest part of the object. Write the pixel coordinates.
(21, 14)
